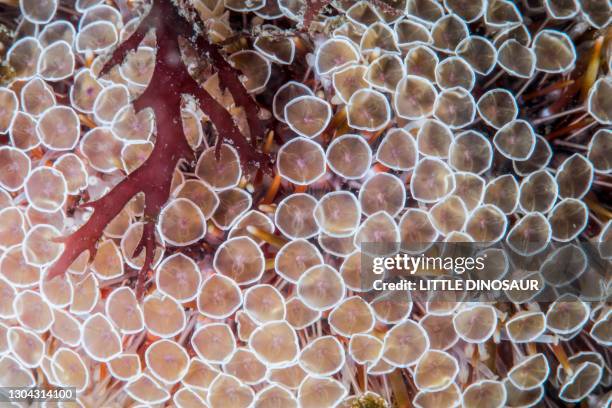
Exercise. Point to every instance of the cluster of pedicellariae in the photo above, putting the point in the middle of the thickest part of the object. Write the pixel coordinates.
(146, 273)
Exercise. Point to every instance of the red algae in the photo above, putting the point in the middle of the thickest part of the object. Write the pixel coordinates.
(171, 80)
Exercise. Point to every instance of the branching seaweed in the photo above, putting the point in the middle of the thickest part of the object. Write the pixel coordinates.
(170, 81)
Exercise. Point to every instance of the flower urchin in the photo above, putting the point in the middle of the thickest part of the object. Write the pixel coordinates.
(189, 191)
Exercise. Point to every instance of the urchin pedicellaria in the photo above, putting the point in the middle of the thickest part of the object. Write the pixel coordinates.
(187, 188)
